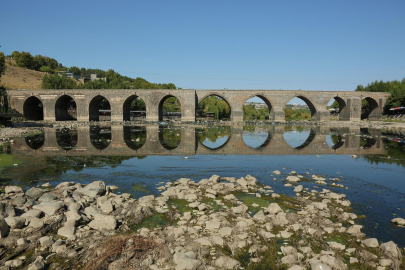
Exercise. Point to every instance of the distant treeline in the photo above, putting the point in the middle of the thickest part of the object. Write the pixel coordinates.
(114, 80)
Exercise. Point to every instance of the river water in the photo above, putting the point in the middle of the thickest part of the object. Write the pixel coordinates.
(369, 162)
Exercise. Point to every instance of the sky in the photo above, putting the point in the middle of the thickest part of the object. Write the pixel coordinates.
(221, 44)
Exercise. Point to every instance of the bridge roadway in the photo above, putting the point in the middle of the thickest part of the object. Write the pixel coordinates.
(52, 105)
(190, 145)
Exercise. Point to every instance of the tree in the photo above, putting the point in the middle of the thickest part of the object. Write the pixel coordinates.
(74, 70)
(58, 82)
(2, 64)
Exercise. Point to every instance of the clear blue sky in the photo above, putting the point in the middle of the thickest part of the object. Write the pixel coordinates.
(308, 45)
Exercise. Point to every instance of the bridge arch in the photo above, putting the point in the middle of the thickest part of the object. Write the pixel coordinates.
(133, 102)
(202, 108)
(100, 137)
(135, 136)
(308, 102)
(369, 107)
(66, 138)
(170, 138)
(266, 101)
(225, 131)
(98, 103)
(161, 105)
(334, 140)
(35, 142)
(65, 109)
(33, 108)
(342, 111)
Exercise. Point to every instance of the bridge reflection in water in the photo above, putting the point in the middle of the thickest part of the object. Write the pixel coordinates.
(185, 140)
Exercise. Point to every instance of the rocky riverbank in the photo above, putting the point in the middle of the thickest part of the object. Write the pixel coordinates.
(215, 223)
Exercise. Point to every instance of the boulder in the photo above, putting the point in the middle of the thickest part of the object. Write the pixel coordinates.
(398, 221)
(46, 241)
(7, 209)
(277, 172)
(92, 190)
(292, 178)
(35, 193)
(13, 189)
(391, 250)
(36, 223)
(186, 261)
(38, 264)
(273, 209)
(239, 209)
(48, 197)
(225, 262)
(370, 242)
(214, 179)
(298, 188)
(317, 265)
(67, 231)
(49, 208)
(15, 222)
(103, 222)
(4, 228)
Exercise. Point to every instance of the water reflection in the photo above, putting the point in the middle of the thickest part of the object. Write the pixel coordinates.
(213, 137)
(100, 137)
(66, 138)
(298, 137)
(335, 140)
(256, 137)
(170, 137)
(134, 136)
(35, 141)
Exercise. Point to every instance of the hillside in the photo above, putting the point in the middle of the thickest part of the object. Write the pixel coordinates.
(21, 78)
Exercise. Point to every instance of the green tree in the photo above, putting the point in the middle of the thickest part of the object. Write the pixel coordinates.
(58, 82)
(74, 70)
(25, 60)
(3, 93)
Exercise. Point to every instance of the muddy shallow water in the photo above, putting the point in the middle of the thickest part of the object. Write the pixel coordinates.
(369, 162)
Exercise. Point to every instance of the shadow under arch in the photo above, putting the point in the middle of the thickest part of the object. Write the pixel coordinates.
(95, 106)
(160, 107)
(126, 108)
(62, 106)
(366, 140)
(100, 137)
(308, 141)
(135, 137)
(199, 110)
(266, 101)
(211, 130)
(169, 138)
(33, 109)
(66, 138)
(35, 142)
(372, 105)
(309, 103)
(246, 134)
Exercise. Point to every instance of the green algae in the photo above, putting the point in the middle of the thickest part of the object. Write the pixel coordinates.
(153, 221)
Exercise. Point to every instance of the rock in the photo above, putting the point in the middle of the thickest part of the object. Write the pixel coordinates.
(31, 213)
(67, 231)
(146, 199)
(273, 209)
(46, 241)
(214, 179)
(355, 230)
(213, 224)
(22, 241)
(15, 222)
(225, 231)
(49, 208)
(225, 262)
(259, 217)
(398, 221)
(46, 185)
(230, 197)
(91, 211)
(296, 267)
(298, 188)
(217, 240)
(211, 191)
(103, 222)
(353, 260)
(186, 261)
(335, 245)
(7, 209)
(292, 178)
(4, 228)
(48, 197)
(94, 189)
(38, 264)
(385, 262)
(317, 265)
(370, 242)
(239, 209)
(20, 199)
(13, 189)
(204, 241)
(277, 172)
(35, 193)
(107, 207)
(202, 207)
(391, 250)
(36, 223)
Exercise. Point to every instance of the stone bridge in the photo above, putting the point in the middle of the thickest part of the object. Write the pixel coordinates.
(190, 145)
(52, 105)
